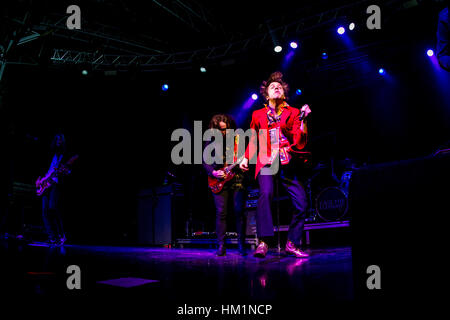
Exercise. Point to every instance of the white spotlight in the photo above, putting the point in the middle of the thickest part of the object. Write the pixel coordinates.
(278, 49)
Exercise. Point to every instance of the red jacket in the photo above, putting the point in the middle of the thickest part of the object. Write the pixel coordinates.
(290, 126)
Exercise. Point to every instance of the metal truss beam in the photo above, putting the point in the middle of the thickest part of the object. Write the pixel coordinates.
(104, 59)
(187, 11)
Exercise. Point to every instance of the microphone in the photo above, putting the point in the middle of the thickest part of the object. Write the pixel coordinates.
(302, 114)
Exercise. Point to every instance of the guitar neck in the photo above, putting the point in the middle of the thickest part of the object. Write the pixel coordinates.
(231, 166)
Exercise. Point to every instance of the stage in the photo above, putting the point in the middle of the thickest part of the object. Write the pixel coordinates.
(178, 276)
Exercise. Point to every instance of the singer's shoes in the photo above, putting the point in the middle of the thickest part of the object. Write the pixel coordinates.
(292, 249)
(261, 250)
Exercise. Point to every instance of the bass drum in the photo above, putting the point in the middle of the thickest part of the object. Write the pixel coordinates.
(331, 204)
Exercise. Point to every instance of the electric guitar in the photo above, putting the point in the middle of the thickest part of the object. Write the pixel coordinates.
(62, 170)
(216, 184)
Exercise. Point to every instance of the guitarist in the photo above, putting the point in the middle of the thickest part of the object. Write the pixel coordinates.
(233, 193)
(286, 132)
(51, 199)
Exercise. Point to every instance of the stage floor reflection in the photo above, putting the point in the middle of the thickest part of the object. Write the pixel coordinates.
(180, 275)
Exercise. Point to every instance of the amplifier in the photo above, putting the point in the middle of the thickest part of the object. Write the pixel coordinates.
(160, 215)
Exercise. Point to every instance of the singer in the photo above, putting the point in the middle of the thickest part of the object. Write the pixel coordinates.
(286, 129)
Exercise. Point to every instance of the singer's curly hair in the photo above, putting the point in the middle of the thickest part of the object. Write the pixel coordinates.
(277, 76)
(216, 119)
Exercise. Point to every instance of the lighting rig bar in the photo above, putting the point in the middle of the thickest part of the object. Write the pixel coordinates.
(207, 55)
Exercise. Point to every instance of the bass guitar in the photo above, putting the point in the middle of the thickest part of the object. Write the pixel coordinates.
(62, 170)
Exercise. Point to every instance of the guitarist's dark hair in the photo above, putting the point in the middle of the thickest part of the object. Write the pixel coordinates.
(218, 118)
(53, 145)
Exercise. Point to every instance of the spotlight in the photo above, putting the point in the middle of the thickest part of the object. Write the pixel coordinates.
(165, 87)
(341, 30)
(202, 69)
(381, 71)
(294, 45)
(324, 55)
(351, 26)
(298, 92)
(277, 49)
(84, 72)
(254, 96)
(430, 52)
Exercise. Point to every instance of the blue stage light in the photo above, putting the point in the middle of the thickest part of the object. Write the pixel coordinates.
(84, 72)
(381, 71)
(165, 87)
(351, 26)
(298, 92)
(324, 55)
(294, 45)
(278, 49)
(430, 52)
(202, 69)
(254, 96)
(341, 30)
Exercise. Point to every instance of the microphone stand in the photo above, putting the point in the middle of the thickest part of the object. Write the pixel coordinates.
(277, 195)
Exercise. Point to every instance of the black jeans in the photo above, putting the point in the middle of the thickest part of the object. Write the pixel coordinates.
(287, 176)
(51, 213)
(222, 201)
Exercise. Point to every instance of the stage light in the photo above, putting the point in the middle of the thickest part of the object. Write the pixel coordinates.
(165, 87)
(202, 69)
(341, 30)
(298, 92)
(430, 52)
(294, 45)
(381, 71)
(277, 49)
(254, 96)
(84, 72)
(351, 26)
(324, 55)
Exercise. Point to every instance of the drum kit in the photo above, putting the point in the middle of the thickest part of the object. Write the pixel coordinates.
(327, 189)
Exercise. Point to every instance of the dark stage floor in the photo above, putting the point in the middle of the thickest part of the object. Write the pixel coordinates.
(179, 276)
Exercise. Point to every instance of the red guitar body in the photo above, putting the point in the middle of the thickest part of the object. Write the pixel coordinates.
(216, 185)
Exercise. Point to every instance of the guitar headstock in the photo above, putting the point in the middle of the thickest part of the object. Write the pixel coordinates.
(73, 159)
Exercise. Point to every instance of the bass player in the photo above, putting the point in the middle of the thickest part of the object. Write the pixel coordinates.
(49, 187)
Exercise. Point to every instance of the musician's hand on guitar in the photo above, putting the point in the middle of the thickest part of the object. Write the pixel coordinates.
(244, 164)
(306, 109)
(219, 174)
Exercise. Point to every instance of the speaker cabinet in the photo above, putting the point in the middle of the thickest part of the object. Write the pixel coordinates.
(161, 218)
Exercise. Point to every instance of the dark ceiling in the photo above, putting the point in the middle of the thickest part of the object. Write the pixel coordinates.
(170, 32)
